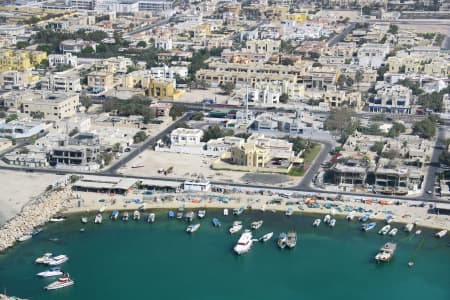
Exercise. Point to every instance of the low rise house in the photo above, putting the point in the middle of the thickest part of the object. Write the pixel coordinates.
(76, 46)
(100, 81)
(372, 55)
(395, 99)
(62, 82)
(67, 59)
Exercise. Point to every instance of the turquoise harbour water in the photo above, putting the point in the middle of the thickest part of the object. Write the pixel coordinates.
(137, 260)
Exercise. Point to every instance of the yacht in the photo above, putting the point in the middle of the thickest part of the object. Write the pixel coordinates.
(257, 224)
(332, 223)
(125, 216)
(441, 234)
(192, 228)
(237, 225)
(151, 218)
(114, 214)
(244, 243)
(98, 219)
(389, 219)
(44, 259)
(408, 227)
(316, 222)
(350, 216)
(136, 215)
(171, 214)
(25, 237)
(289, 212)
(84, 220)
(386, 252)
(282, 238)
(57, 219)
(385, 229)
(58, 260)
(291, 239)
(266, 237)
(238, 211)
(216, 222)
(327, 219)
(62, 282)
(364, 218)
(368, 226)
(51, 272)
(393, 232)
(189, 216)
(225, 211)
(201, 214)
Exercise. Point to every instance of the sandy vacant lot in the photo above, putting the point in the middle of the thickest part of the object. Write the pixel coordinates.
(191, 166)
(17, 188)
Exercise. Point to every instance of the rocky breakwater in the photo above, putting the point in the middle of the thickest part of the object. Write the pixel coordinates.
(34, 214)
(4, 297)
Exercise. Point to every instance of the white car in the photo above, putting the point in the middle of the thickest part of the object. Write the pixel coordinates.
(429, 192)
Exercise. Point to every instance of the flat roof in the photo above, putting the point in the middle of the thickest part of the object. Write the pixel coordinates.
(161, 183)
(443, 206)
(100, 182)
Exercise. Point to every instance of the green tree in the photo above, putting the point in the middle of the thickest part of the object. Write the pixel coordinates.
(358, 77)
(139, 137)
(396, 129)
(215, 132)
(390, 154)
(88, 50)
(86, 102)
(227, 88)
(444, 158)
(284, 98)
(22, 45)
(341, 81)
(11, 118)
(393, 29)
(377, 147)
(349, 81)
(141, 44)
(341, 121)
(425, 128)
(176, 111)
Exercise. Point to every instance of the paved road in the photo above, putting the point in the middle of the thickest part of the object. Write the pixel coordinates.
(336, 39)
(446, 41)
(158, 23)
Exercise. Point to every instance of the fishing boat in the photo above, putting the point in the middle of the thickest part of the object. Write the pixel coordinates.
(57, 219)
(364, 218)
(368, 226)
(44, 259)
(201, 214)
(189, 216)
(327, 219)
(237, 225)
(289, 212)
(62, 282)
(192, 228)
(225, 211)
(151, 218)
(316, 222)
(244, 243)
(257, 224)
(389, 219)
(136, 215)
(408, 227)
(84, 220)
(418, 232)
(386, 252)
(24, 237)
(179, 215)
(125, 216)
(350, 216)
(142, 207)
(114, 214)
(441, 234)
(282, 238)
(51, 272)
(216, 222)
(98, 219)
(37, 231)
(332, 222)
(266, 237)
(393, 232)
(384, 230)
(58, 260)
(171, 214)
(238, 211)
(291, 241)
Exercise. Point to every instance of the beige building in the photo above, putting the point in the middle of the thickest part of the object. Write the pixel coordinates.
(263, 46)
(49, 106)
(250, 155)
(100, 81)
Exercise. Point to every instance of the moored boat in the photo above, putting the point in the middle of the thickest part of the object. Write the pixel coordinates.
(237, 225)
(114, 214)
(289, 212)
(364, 218)
(393, 232)
(418, 232)
(57, 219)
(332, 222)
(24, 237)
(51, 272)
(171, 214)
(386, 252)
(192, 228)
(189, 216)
(58, 260)
(216, 222)
(151, 217)
(125, 216)
(408, 227)
(327, 219)
(37, 231)
(136, 215)
(316, 222)
(225, 211)
(350, 216)
(368, 226)
(98, 218)
(441, 234)
(389, 219)
(282, 238)
(266, 237)
(244, 243)
(44, 259)
(201, 214)
(257, 224)
(84, 220)
(291, 241)
(238, 211)
(62, 282)
(384, 230)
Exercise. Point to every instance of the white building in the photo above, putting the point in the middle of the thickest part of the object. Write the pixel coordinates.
(395, 99)
(186, 137)
(75, 46)
(169, 72)
(62, 82)
(55, 60)
(164, 43)
(372, 55)
(155, 5)
(197, 186)
(264, 96)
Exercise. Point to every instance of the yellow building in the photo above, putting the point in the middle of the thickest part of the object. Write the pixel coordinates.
(163, 89)
(20, 60)
(250, 155)
(297, 17)
(100, 81)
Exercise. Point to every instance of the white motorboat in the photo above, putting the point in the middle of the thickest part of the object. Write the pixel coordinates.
(408, 227)
(386, 252)
(84, 220)
(201, 214)
(266, 237)
(316, 222)
(393, 232)
(418, 232)
(24, 237)
(225, 211)
(291, 241)
(350, 216)
(441, 234)
(58, 260)
(51, 272)
(257, 224)
(327, 219)
(102, 209)
(244, 243)
(192, 228)
(237, 226)
(57, 219)
(44, 259)
(98, 219)
(151, 217)
(332, 223)
(136, 215)
(62, 282)
(289, 212)
(125, 216)
(389, 219)
(385, 229)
